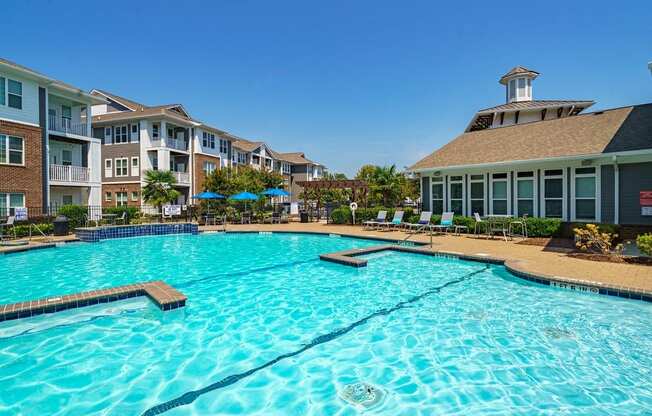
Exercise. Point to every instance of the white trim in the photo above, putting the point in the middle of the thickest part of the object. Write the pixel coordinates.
(137, 167)
(8, 138)
(11, 120)
(535, 190)
(463, 198)
(470, 198)
(440, 181)
(508, 197)
(115, 166)
(564, 192)
(616, 193)
(108, 168)
(121, 182)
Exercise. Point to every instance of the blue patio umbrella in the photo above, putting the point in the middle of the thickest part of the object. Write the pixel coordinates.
(275, 192)
(208, 195)
(244, 196)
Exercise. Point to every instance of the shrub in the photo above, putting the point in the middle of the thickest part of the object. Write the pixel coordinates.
(590, 238)
(341, 215)
(23, 230)
(543, 227)
(75, 214)
(644, 243)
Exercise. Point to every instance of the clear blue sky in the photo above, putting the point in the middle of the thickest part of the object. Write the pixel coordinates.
(348, 82)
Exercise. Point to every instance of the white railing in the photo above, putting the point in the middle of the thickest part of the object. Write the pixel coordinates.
(65, 125)
(66, 173)
(171, 143)
(181, 177)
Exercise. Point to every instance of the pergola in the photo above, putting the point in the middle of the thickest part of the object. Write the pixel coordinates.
(358, 187)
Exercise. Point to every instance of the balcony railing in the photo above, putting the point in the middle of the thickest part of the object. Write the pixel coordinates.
(65, 125)
(172, 143)
(67, 173)
(182, 177)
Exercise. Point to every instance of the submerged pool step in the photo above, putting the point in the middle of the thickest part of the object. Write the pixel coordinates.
(163, 295)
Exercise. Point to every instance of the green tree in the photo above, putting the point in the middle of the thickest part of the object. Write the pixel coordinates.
(158, 189)
(387, 186)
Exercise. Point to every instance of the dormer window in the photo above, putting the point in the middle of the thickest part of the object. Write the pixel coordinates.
(520, 89)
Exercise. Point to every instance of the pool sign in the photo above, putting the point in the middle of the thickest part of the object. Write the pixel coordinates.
(171, 210)
(645, 200)
(21, 214)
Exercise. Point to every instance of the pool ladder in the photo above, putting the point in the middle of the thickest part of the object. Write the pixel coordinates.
(423, 227)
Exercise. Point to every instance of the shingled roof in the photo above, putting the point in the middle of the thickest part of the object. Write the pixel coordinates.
(518, 70)
(614, 130)
(297, 158)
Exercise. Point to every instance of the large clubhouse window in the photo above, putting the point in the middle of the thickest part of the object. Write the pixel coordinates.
(499, 194)
(585, 194)
(11, 150)
(121, 134)
(437, 195)
(10, 201)
(456, 192)
(553, 194)
(122, 167)
(477, 194)
(525, 194)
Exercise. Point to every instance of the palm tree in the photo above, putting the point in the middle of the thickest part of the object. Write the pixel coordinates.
(387, 183)
(158, 189)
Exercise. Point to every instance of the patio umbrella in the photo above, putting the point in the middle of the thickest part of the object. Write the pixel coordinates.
(244, 196)
(275, 192)
(208, 195)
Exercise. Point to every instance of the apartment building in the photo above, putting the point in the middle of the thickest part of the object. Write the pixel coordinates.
(300, 169)
(48, 156)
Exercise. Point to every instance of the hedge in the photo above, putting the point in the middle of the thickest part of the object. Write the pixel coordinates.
(644, 243)
(76, 214)
(536, 227)
(23, 230)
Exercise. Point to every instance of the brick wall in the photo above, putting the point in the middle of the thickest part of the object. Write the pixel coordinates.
(27, 179)
(199, 173)
(120, 187)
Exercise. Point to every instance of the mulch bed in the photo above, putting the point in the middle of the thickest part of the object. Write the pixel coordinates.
(563, 243)
(644, 261)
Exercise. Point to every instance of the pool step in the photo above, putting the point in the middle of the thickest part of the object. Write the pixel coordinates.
(163, 295)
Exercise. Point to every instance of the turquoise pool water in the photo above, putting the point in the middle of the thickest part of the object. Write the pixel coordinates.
(271, 330)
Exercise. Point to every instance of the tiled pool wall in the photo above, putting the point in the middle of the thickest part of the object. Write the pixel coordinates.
(95, 234)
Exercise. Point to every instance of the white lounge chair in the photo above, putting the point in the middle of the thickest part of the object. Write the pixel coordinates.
(479, 223)
(380, 219)
(446, 223)
(423, 223)
(395, 223)
(9, 224)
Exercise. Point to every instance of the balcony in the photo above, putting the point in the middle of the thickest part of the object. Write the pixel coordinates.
(68, 173)
(182, 178)
(65, 125)
(172, 144)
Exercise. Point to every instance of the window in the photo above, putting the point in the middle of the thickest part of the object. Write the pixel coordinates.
(585, 194)
(208, 140)
(10, 201)
(525, 194)
(66, 113)
(477, 194)
(521, 87)
(204, 141)
(437, 195)
(170, 133)
(121, 167)
(66, 199)
(135, 163)
(120, 199)
(242, 158)
(553, 193)
(155, 131)
(107, 196)
(134, 133)
(66, 157)
(3, 93)
(108, 168)
(11, 150)
(287, 169)
(107, 135)
(209, 167)
(512, 89)
(499, 194)
(456, 194)
(15, 96)
(224, 146)
(134, 195)
(121, 134)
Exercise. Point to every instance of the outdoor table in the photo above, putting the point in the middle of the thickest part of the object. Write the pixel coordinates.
(209, 217)
(109, 217)
(498, 223)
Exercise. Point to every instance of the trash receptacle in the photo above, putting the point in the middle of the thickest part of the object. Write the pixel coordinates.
(304, 216)
(61, 225)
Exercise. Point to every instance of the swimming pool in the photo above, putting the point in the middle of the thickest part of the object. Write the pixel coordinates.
(270, 329)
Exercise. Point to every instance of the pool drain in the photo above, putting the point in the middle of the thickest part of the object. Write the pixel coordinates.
(362, 395)
(558, 333)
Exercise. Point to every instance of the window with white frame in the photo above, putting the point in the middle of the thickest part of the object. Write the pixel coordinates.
(585, 190)
(208, 140)
(456, 194)
(121, 199)
(9, 201)
(224, 146)
(134, 195)
(108, 168)
(155, 131)
(15, 94)
(66, 157)
(108, 136)
(12, 150)
(66, 199)
(437, 195)
(134, 133)
(525, 194)
(170, 133)
(122, 166)
(499, 194)
(108, 196)
(135, 165)
(121, 134)
(512, 89)
(242, 158)
(287, 168)
(476, 183)
(209, 167)
(553, 193)
(3, 91)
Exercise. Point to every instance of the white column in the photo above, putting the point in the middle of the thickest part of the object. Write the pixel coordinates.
(163, 134)
(616, 193)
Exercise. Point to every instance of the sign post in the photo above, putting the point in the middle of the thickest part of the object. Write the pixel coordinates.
(353, 207)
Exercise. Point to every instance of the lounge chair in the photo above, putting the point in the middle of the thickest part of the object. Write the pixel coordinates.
(446, 222)
(9, 224)
(122, 218)
(396, 222)
(423, 223)
(275, 218)
(380, 219)
(479, 224)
